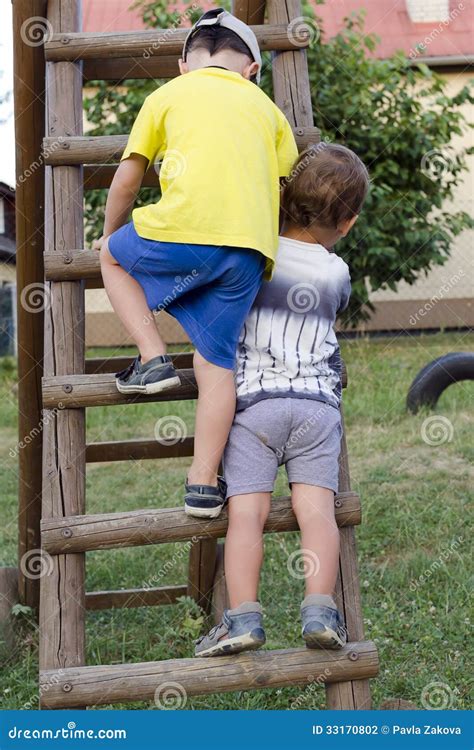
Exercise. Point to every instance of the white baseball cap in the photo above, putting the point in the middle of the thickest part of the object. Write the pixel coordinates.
(220, 17)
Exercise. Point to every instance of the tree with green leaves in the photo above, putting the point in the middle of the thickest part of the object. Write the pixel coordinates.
(399, 118)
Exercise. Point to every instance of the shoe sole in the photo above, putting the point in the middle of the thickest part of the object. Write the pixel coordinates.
(150, 388)
(190, 510)
(236, 645)
(326, 638)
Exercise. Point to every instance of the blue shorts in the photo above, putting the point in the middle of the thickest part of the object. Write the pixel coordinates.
(208, 289)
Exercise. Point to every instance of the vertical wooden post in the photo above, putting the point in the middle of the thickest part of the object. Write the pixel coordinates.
(355, 694)
(62, 603)
(291, 88)
(292, 94)
(202, 565)
(251, 12)
(29, 91)
(8, 598)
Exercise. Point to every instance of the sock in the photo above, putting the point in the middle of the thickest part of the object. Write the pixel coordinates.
(245, 607)
(320, 600)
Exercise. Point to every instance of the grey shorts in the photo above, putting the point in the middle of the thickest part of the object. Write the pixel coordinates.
(302, 434)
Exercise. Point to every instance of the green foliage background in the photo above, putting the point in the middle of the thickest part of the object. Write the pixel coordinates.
(399, 119)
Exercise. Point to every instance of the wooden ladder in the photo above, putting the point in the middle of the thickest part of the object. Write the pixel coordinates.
(71, 384)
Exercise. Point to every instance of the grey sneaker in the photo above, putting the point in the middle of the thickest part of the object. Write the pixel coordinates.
(156, 375)
(323, 626)
(241, 629)
(205, 501)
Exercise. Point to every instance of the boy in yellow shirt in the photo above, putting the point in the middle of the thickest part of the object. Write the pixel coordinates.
(201, 251)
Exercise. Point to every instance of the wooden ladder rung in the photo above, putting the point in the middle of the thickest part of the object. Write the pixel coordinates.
(96, 365)
(100, 176)
(117, 683)
(126, 598)
(71, 534)
(74, 266)
(138, 450)
(121, 68)
(75, 46)
(100, 149)
(79, 391)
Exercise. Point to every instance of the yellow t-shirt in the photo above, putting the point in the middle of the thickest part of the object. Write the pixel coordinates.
(224, 146)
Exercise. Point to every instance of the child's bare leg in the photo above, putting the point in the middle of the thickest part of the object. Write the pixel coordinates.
(214, 414)
(314, 510)
(129, 302)
(244, 546)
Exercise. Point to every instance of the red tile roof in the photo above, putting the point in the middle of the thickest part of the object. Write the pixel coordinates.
(388, 19)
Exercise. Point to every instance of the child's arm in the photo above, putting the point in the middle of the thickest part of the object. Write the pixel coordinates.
(144, 142)
(123, 192)
(122, 195)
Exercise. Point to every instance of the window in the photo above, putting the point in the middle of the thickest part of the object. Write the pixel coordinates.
(425, 11)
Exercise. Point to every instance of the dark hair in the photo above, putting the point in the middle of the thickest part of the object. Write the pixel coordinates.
(328, 185)
(215, 39)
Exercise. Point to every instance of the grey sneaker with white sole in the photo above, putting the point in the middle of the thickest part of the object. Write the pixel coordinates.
(241, 629)
(156, 375)
(205, 501)
(323, 626)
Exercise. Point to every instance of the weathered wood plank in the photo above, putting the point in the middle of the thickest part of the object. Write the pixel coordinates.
(119, 69)
(78, 391)
(290, 69)
(355, 695)
(250, 671)
(202, 564)
(101, 149)
(220, 596)
(138, 450)
(100, 176)
(153, 43)
(163, 525)
(29, 85)
(95, 365)
(8, 598)
(251, 12)
(127, 598)
(62, 600)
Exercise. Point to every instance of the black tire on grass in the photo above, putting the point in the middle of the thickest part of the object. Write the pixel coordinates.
(436, 376)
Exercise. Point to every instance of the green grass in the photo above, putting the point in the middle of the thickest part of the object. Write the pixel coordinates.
(415, 523)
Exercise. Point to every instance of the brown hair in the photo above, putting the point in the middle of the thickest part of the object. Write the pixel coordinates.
(328, 185)
(214, 39)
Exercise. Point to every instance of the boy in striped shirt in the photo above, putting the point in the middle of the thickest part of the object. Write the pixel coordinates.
(288, 396)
